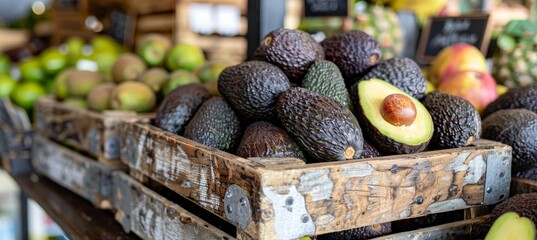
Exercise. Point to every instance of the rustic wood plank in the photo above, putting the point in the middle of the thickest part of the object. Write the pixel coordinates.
(16, 150)
(521, 185)
(475, 228)
(78, 218)
(293, 200)
(91, 132)
(78, 173)
(152, 216)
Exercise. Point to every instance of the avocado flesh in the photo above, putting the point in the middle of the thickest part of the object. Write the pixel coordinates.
(510, 226)
(387, 137)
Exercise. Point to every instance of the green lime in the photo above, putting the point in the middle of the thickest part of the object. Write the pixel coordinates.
(7, 84)
(74, 49)
(104, 43)
(53, 61)
(185, 56)
(25, 94)
(5, 64)
(179, 78)
(104, 59)
(210, 71)
(31, 70)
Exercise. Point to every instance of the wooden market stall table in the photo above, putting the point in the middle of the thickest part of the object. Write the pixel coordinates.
(78, 218)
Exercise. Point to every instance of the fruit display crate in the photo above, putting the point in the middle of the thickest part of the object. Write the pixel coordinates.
(82, 175)
(96, 134)
(151, 213)
(16, 136)
(287, 199)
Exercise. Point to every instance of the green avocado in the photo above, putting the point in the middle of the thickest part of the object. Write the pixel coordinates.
(403, 73)
(354, 52)
(395, 133)
(456, 122)
(252, 88)
(179, 106)
(519, 97)
(524, 205)
(216, 125)
(324, 77)
(366, 232)
(291, 50)
(511, 226)
(263, 139)
(518, 129)
(128, 67)
(324, 129)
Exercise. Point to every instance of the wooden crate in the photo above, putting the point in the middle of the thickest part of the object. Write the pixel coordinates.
(94, 133)
(521, 185)
(152, 216)
(82, 175)
(286, 199)
(16, 137)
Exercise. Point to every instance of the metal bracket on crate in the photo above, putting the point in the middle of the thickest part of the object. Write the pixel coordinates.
(237, 206)
(498, 177)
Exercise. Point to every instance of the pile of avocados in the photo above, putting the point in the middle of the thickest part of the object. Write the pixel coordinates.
(334, 101)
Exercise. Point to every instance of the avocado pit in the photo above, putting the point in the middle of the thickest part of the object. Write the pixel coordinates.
(398, 110)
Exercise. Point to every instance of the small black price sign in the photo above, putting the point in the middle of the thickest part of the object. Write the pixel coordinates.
(442, 32)
(326, 8)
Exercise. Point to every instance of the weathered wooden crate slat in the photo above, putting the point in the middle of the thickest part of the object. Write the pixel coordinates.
(94, 133)
(475, 228)
(521, 185)
(151, 216)
(82, 175)
(15, 139)
(266, 199)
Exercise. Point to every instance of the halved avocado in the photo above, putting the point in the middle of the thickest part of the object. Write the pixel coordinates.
(410, 135)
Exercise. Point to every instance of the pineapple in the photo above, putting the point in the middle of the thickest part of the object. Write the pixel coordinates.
(515, 61)
(382, 24)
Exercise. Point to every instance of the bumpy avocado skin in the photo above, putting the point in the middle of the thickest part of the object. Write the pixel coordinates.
(215, 124)
(324, 77)
(520, 97)
(456, 122)
(370, 151)
(321, 125)
(291, 50)
(263, 139)
(518, 129)
(252, 88)
(524, 205)
(179, 106)
(354, 52)
(366, 232)
(403, 73)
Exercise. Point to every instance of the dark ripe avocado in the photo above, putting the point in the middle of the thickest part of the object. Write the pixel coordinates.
(263, 139)
(530, 172)
(324, 77)
(366, 232)
(370, 151)
(400, 125)
(325, 129)
(456, 122)
(291, 50)
(215, 124)
(403, 73)
(520, 97)
(511, 226)
(518, 129)
(523, 204)
(179, 106)
(354, 52)
(252, 88)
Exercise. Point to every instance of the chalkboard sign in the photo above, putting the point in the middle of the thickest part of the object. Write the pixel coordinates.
(120, 26)
(326, 8)
(67, 4)
(442, 32)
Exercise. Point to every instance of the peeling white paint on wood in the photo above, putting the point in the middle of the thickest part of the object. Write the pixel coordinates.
(317, 184)
(207, 199)
(457, 164)
(324, 219)
(447, 205)
(357, 170)
(477, 168)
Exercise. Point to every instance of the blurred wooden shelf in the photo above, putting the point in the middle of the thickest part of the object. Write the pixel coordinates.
(75, 216)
